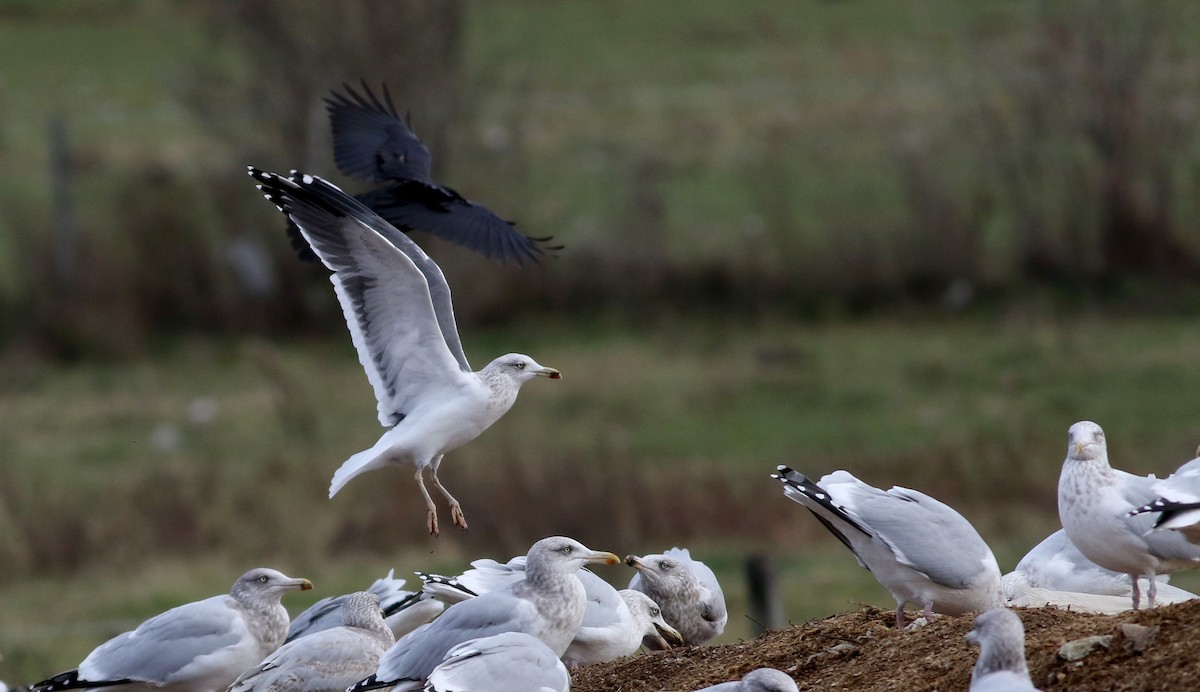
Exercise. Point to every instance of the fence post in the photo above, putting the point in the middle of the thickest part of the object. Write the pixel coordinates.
(766, 606)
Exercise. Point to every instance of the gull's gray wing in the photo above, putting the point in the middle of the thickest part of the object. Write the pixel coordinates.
(922, 532)
(322, 615)
(1139, 491)
(604, 603)
(414, 656)
(407, 345)
(509, 662)
(327, 612)
(370, 139)
(163, 645)
(332, 659)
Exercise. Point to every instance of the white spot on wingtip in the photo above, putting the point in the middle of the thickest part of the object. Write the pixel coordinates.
(308, 179)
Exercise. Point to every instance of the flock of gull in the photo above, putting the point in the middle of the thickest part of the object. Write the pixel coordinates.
(525, 624)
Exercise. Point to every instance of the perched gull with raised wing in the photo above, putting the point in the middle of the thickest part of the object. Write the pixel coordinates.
(549, 603)
(615, 623)
(759, 680)
(403, 611)
(919, 549)
(332, 659)
(1094, 504)
(372, 142)
(397, 306)
(1055, 573)
(202, 645)
(1001, 664)
(685, 589)
(485, 575)
(508, 662)
(1178, 501)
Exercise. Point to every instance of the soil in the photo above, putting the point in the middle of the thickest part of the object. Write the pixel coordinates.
(862, 650)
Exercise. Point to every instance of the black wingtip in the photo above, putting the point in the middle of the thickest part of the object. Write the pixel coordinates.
(70, 680)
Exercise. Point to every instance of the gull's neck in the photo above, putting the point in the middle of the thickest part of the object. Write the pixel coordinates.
(1001, 654)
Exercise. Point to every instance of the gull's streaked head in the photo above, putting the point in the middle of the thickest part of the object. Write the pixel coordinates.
(1085, 441)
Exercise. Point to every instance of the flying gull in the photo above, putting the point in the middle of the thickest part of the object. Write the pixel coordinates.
(1178, 501)
(919, 549)
(397, 306)
(685, 589)
(403, 611)
(507, 662)
(1094, 504)
(201, 645)
(549, 604)
(331, 659)
(1001, 664)
(614, 624)
(372, 142)
(760, 680)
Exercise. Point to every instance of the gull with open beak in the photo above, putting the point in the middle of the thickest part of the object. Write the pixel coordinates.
(686, 590)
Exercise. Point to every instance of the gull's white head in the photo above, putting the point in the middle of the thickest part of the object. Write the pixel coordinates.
(520, 368)
(562, 554)
(1085, 442)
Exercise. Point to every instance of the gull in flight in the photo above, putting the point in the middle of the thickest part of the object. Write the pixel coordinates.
(397, 306)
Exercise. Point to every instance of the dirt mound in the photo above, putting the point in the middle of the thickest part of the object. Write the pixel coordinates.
(861, 650)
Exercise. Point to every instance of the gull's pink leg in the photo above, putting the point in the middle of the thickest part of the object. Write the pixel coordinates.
(432, 521)
(456, 513)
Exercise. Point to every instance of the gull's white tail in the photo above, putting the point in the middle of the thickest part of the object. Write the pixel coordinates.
(366, 460)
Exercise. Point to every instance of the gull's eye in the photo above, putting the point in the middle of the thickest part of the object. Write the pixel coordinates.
(654, 612)
(262, 579)
(664, 565)
(519, 365)
(565, 550)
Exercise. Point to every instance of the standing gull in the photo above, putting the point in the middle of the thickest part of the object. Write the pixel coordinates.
(329, 660)
(1001, 664)
(919, 549)
(549, 604)
(372, 142)
(685, 589)
(760, 680)
(615, 623)
(203, 645)
(397, 306)
(1178, 501)
(403, 611)
(1094, 504)
(508, 662)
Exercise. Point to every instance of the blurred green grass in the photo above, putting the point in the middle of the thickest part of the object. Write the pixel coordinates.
(128, 487)
(762, 141)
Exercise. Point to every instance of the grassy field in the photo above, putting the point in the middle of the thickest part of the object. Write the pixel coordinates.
(130, 487)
